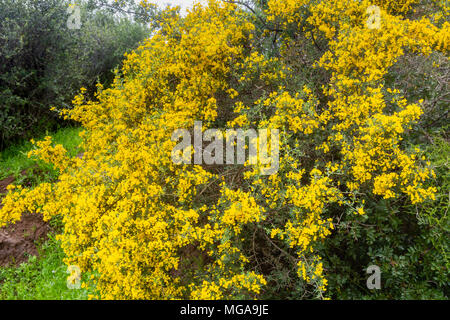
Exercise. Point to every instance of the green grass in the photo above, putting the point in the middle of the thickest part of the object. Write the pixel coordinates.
(41, 278)
(14, 159)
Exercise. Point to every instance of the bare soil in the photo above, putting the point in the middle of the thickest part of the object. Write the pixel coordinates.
(18, 241)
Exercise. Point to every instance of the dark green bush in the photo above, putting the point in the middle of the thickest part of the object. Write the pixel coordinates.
(409, 243)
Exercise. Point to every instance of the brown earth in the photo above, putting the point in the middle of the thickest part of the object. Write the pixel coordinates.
(4, 183)
(18, 240)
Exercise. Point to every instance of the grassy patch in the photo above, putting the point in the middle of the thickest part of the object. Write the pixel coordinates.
(14, 159)
(41, 278)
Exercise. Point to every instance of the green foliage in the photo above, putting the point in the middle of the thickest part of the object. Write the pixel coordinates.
(408, 243)
(43, 63)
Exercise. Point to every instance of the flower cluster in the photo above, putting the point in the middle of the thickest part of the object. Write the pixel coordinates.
(155, 230)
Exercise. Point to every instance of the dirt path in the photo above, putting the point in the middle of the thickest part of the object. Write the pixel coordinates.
(4, 183)
(18, 241)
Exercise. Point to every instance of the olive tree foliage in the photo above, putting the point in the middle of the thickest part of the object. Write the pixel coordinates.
(43, 63)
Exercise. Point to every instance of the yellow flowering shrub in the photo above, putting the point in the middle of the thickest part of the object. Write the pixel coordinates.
(155, 230)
